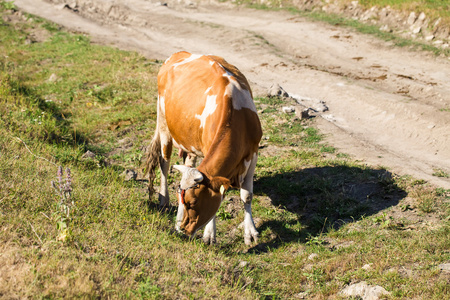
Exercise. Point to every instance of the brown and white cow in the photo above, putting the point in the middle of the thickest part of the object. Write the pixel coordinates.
(205, 108)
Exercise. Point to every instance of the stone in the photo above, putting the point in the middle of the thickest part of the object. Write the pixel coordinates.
(243, 263)
(305, 113)
(88, 154)
(329, 118)
(315, 104)
(129, 175)
(53, 78)
(385, 28)
(412, 18)
(277, 91)
(419, 24)
(437, 23)
(302, 295)
(312, 256)
(365, 291)
(416, 29)
(445, 267)
(288, 109)
(421, 17)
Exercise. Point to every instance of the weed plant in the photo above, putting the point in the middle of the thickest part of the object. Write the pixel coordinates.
(64, 205)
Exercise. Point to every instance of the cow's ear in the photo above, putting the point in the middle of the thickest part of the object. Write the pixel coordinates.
(219, 184)
(181, 168)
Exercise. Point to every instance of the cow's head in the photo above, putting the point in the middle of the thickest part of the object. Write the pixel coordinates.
(201, 197)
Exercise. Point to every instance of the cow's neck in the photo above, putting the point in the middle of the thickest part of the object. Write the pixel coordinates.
(220, 160)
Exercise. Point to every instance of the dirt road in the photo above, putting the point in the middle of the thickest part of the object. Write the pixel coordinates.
(387, 106)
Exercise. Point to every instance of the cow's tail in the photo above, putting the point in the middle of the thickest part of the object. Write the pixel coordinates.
(153, 153)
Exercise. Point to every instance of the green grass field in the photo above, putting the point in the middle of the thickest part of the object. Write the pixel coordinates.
(94, 235)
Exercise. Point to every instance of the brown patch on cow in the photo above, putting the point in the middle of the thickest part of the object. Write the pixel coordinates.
(167, 151)
(218, 181)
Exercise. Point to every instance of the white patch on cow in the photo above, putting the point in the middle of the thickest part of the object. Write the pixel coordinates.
(165, 139)
(175, 143)
(241, 98)
(184, 148)
(196, 152)
(228, 74)
(187, 60)
(210, 108)
(242, 176)
(162, 105)
(211, 62)
(207, 90)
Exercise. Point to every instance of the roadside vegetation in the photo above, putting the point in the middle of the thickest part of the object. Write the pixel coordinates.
(74, 116)
(434, 9)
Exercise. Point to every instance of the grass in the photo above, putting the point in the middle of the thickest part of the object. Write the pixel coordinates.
(309, 197)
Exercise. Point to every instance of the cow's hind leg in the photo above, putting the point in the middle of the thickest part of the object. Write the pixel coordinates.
(250, 231)
(164, 164)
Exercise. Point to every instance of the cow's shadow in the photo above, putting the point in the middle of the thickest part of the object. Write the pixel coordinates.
(322, 198)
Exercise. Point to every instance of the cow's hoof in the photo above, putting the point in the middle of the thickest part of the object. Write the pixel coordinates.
(209, 239)
(251, 236)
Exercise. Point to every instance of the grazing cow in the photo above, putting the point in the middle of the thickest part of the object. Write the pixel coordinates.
(205, 108)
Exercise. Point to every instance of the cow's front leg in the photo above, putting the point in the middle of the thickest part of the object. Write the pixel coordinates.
(250, 231)
(209, 234)
(189, 161)
(180, 215)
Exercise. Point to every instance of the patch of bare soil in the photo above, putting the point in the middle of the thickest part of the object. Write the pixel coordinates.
(387, 106)
(14, 272)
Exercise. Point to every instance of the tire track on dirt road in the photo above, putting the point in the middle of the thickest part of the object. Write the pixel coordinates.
(388, 106)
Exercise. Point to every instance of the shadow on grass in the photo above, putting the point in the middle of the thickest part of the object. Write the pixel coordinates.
(315, 200)
(324, 198)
